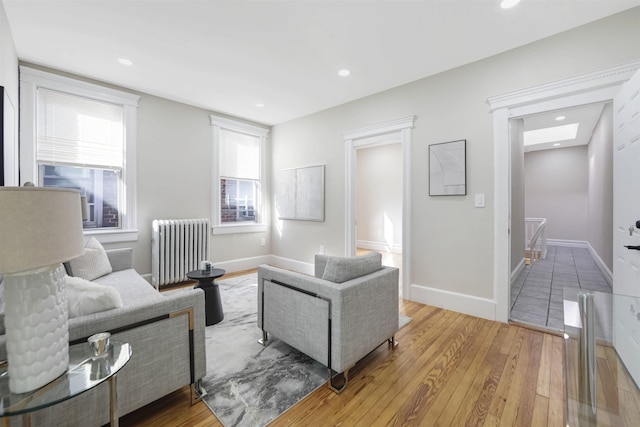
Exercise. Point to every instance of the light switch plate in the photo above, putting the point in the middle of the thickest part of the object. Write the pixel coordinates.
(479, 201)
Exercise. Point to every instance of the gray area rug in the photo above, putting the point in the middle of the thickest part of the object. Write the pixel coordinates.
(248, 384)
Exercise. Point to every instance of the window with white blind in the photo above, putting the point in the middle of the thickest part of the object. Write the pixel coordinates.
(80, 135)
(238, 171)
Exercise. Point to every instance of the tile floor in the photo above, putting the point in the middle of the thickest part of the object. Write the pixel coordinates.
(537, 292)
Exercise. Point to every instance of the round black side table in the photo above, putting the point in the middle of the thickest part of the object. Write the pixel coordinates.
(212, 301)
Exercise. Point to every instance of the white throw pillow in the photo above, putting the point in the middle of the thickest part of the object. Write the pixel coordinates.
(93, 264)
(85, 297)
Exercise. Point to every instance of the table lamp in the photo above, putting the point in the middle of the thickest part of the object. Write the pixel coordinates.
(39, 229)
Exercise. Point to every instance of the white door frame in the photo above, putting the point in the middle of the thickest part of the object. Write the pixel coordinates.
(389, 132)
(599, 86)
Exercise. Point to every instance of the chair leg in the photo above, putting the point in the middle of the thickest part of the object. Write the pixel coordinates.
(393, 344)
(338, 388)
(264, 339)
(197, 392)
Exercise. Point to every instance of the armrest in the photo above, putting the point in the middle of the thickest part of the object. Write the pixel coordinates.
(120, 259)
(164, 305)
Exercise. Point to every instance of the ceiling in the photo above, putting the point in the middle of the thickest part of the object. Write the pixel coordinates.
(586, 116)
(228, 56)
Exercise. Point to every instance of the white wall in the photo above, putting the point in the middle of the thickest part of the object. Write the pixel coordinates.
(8, 67)
(600, 213)
(557, 188)
(8, 58)
(452, 242)
(379, 193)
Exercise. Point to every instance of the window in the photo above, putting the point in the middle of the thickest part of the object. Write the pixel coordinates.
(80, 135)
(238, 170)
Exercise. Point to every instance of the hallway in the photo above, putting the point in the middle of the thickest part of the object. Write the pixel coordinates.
(537, 293)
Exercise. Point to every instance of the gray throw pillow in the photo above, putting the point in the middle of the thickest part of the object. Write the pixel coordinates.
(340, 270)
(93, 264)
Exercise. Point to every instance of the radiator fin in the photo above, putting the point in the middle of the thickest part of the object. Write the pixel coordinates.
(177, 247)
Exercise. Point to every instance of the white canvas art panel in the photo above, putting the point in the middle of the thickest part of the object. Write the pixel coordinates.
(300, 193)
(447, 169)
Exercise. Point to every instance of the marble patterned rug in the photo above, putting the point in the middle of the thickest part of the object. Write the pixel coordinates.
(249, 385)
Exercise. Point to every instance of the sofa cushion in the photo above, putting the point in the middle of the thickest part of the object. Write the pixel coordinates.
(339, 270)
(92, 264)
(85, 297)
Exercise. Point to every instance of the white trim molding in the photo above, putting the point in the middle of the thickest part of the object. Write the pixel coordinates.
(394, 248)
(292, 264)
(32, 79)
(597, 86)
(262, 132)
(462, 303)
(393, 131)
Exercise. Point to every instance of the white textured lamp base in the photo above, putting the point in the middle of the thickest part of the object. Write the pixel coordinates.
(36, 320)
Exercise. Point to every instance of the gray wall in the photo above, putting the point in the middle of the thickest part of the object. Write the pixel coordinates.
(175, 154)
(518, 234)
(557, 188)
(452, 242)
(379, 193)
(600, 213)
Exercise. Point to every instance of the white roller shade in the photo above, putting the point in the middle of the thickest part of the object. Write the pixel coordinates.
(239, 155)
(81, 131)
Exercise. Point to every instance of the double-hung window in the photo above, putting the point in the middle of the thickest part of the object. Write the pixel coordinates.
(238, 170)
(79, 135)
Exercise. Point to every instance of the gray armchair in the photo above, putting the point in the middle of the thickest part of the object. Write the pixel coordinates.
(337, 317)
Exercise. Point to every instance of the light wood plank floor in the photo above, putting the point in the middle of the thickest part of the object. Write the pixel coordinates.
(450, 369)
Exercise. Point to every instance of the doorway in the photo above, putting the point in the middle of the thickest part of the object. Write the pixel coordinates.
(563, 185)
(392, 132)
(591, 88)
(379, 202)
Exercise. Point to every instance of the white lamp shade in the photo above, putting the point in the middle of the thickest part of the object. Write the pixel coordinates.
(39, 227)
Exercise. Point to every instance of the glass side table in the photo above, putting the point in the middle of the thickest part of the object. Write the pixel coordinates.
(85, 372)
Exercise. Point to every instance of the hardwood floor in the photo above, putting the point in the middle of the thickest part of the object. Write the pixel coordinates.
(450, 369)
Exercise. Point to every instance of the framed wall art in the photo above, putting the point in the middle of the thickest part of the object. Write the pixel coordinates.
(448, 168)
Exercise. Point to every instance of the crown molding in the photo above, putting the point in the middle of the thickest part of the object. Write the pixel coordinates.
(607, 77)
(379, 129)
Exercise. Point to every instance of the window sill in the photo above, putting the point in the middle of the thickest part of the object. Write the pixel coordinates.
(239, 228)
(112, 236)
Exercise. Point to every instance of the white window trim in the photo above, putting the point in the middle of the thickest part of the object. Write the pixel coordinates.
(218, 227)
(30, 81)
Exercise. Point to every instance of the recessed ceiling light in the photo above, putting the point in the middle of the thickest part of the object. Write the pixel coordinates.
(259, 105)
(560, 118)
(552, 134)
(125, 61)
(507, 4)
(344, 72)
(557, 144)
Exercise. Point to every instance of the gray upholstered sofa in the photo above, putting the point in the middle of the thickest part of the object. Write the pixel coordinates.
(166, 333)
(337, 317)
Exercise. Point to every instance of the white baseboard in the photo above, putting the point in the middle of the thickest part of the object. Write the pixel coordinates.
(517, 270)
(380, 246)
(608, 275)
(242, 263)
(292, 264)
(568, 243)
(467, 304)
